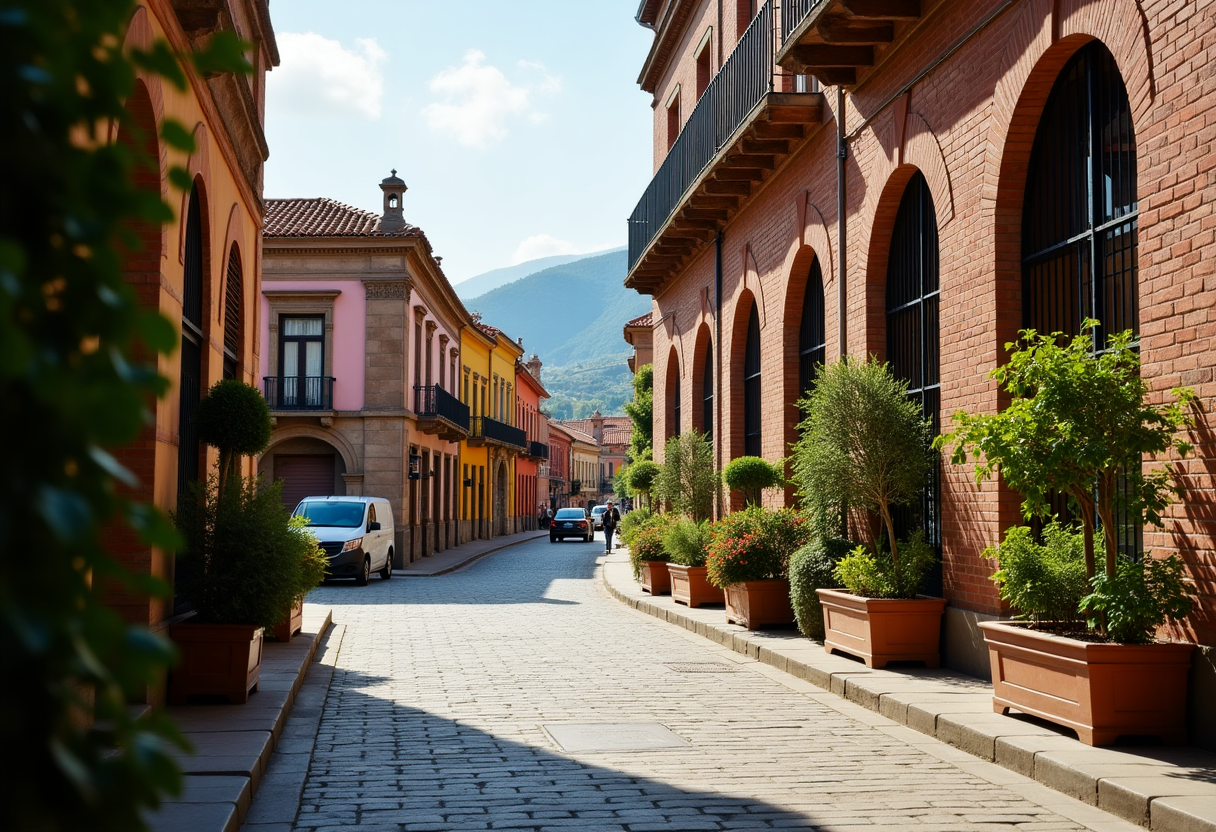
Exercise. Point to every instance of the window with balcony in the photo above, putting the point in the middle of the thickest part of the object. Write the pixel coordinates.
(302, 363)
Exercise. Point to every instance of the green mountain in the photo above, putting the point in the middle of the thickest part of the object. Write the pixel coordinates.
(568, 314)
(479, 284)
(578, 390)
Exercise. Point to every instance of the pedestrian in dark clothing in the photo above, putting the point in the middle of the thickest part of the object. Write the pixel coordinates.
(611, 519)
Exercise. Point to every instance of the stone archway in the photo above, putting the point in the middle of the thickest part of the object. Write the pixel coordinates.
(501, 520)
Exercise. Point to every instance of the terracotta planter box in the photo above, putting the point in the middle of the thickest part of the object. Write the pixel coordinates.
(292, 623)
(690, 586)
(882, 630)
(216, 660)
(655, 578)
(1101, 691)
(755, 604)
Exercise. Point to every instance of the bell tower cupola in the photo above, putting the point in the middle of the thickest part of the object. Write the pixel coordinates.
(394, 191)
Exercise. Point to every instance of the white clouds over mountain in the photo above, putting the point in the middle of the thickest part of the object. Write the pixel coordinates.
(479, 101)
(321, 77)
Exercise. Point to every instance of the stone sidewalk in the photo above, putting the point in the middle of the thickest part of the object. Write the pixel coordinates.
(1167, 789)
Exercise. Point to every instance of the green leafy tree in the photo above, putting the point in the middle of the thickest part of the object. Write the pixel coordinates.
(751, 475)
(642, 476)
(864, 444)
(1077, 422)
(640, 411)
(77, 375)
(687, 479)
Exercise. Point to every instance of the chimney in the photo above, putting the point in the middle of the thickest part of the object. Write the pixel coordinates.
(394, 191)
(534, 365)
(597, 426)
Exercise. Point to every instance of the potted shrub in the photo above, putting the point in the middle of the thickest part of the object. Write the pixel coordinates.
(751, 475)
(865, 445)
(641, 476)
(243, 563)
(686, 541)
(813, 567)
(749, 553)
(1079, 423)
(648, 556)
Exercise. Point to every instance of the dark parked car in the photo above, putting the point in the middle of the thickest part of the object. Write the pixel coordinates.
(571, 522)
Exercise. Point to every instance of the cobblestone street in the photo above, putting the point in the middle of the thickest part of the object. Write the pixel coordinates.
(454, 698)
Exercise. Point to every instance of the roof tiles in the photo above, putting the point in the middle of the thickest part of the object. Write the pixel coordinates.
(324, 217)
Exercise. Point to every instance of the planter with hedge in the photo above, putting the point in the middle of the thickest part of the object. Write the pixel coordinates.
(245, 562)
(648, 556)
(749, 553)
(865, 445)
(1085, 653)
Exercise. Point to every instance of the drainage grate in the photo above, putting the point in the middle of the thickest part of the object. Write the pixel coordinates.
(610, 736)
(703, 667)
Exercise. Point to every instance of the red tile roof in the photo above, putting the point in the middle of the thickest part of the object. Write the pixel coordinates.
(324, 217)
(640, 320)
(486, 329)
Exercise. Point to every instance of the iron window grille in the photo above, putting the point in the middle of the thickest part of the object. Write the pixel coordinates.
(751, 386)
(1080, 221)
(812, 333)
(707, 394)
(190, 384)
(675, 403)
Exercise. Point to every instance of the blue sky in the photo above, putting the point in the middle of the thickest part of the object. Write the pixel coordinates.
(518, 125)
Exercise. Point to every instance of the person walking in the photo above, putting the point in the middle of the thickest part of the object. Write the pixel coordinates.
(611, 518)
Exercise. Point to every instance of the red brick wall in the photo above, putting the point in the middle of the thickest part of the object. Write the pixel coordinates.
(968, 126)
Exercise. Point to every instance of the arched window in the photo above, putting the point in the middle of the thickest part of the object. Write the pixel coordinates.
(234, 290)
(812, 336)
(190, 386)
(1080, 216)
(675, 404)
(751, 387)
(707, 391)
(912, 327)
(671, 402)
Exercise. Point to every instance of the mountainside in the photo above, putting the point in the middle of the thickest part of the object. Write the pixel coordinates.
(578, 390)
(567, 314)
(488, 281)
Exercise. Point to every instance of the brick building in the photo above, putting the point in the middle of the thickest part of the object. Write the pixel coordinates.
(917, 180)
(362, 334)
(637, 335)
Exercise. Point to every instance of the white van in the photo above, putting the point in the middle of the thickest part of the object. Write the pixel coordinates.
(355, 532)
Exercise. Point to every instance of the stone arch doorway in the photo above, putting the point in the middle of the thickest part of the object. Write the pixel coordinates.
(501, 520)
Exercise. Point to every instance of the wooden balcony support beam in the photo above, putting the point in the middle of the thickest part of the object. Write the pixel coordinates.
(821, 55)
(839, 30)
(771, 130)
(838, 76)
(713, 186)
(883, 9)
(778, 147)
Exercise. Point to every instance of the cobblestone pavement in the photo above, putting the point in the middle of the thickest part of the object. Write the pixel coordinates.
(448, 693)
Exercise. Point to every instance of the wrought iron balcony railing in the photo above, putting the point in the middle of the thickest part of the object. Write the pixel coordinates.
(538, 450)
(794, 12)
(435, 405)
(492, 430)
(299, 392)
(741, 83)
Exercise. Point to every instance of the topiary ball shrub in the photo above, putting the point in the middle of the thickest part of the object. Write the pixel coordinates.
(751, 475)
(811, 568)
(235, 418)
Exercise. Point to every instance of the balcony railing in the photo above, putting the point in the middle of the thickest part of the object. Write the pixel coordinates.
(299, 392)
(492, 430)
(794, 12)
(741, 83)
(440, 412)
(538, 450)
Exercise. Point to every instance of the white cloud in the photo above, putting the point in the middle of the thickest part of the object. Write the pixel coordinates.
(479, 100)
(541, 245)
(318, 76)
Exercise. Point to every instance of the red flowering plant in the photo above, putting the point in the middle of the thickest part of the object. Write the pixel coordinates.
(754, 544)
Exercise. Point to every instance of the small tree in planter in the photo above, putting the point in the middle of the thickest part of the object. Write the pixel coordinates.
(751, 475)
(245, 563)
(687, 541)
(642, 475)
(1078, 423)
(865, 445)
(749, 554)
(687, 479)
(646, 542)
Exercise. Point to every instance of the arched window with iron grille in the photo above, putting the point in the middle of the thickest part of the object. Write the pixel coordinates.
(913, 291)
(751, 386)
(707, 392)
(812, 335)
(234, 290)
(1080, 217)
(675, 403)
(191, 381)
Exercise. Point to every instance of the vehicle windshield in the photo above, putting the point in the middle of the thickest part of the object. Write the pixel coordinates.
(599, 510)
(327, 513)
(570, 514)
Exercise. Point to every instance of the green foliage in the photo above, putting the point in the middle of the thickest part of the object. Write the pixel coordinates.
(687, 541)
(234, 418)
(244, 561)
(754, 544)
(863, 444)
(876, 574)
(1130, 605)
(640, 410)
(687, 479)
(642, 475)
(1077, 423)
(1044, 582)
(632, 523)
(751, 475)
(812, 567)
(78, 372)
(648, 543)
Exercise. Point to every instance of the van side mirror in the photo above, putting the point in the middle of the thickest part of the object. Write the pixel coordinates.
(373, 526)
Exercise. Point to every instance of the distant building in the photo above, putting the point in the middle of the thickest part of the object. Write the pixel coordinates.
(560, 461)
(532, 465)
(611, 435)
(638, 334)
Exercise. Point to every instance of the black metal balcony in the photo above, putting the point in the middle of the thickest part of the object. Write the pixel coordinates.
(487, 431)
(440, 413)
(834, 39)
(299, 392)
(740, 130)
